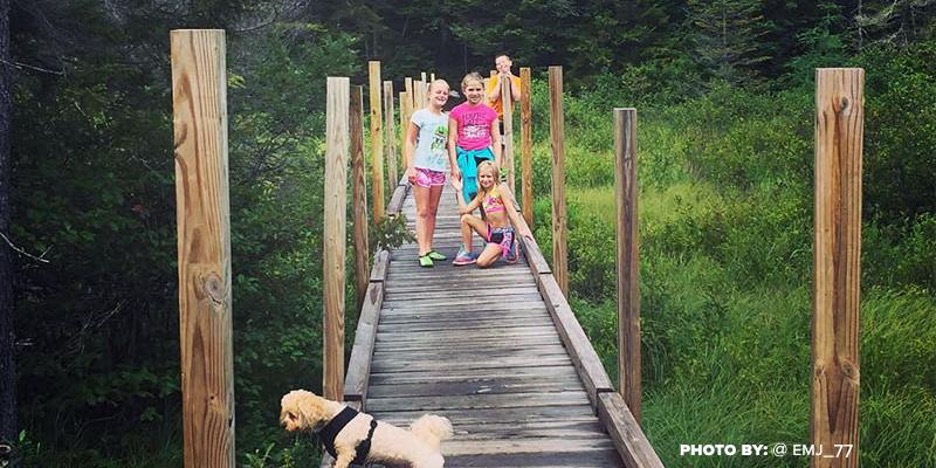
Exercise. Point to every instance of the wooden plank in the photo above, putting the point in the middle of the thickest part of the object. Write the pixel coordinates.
(586, 360)
(379, 365)
(537, 373)
(396, 201)
(476, 386)
(518, 400)
(458, 447)
(625, 432)
(199, 102)
(837, 262)
(381, 262)
(545, 458)
(390, 132)
(482, 416)
(364, 339)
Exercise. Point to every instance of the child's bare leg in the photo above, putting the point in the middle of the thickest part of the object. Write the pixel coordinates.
(489, 255)
(470, 222)
(435, 192)
(421, 196)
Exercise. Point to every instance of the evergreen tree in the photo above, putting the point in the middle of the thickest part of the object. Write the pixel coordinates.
(726, 37)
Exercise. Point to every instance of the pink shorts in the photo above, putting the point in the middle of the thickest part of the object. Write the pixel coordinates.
(429, 178)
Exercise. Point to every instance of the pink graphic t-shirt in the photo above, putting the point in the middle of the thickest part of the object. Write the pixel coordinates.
(474, 125)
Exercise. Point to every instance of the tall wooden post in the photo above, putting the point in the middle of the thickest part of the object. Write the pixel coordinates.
(376, 126)
(337, 103)
(508, 156)
(405, 112)
(837, 265)
(199, 103)
(628, 257)
(390, 135)
(359, 196)
(408, 83)
(557, 141)
(526, 144)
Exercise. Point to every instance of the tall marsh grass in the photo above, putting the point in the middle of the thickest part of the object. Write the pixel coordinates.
(726, 268)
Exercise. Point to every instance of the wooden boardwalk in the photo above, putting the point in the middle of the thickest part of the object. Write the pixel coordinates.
(480, 347)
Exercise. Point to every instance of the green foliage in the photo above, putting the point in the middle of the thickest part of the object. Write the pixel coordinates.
(391, 233)
(900, 134)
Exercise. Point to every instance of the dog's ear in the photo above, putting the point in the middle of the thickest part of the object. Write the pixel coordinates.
(303, 409)
(309, 409)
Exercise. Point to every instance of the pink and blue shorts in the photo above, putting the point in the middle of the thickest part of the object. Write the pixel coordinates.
(429, 178)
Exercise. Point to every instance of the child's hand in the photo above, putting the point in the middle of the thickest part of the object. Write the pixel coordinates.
(456, 173)
(457, 182)
(411, 175)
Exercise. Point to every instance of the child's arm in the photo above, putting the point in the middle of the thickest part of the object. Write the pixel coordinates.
(514, 90)
(496, 143)
(408, 150)
(512, 215)
(464, 208)
(453, 155)
(492, 87)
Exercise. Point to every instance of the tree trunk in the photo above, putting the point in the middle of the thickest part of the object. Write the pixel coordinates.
(8, 426)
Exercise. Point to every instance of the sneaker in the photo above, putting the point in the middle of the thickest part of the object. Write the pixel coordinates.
(436, 256)
(464, 258)
(425, 261)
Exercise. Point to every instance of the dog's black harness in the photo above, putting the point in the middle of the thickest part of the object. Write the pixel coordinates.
(328, 433)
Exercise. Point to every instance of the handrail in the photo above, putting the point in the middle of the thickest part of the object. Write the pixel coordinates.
(628, 438)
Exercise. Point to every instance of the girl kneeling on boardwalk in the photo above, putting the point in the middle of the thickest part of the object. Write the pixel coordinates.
(500, 228)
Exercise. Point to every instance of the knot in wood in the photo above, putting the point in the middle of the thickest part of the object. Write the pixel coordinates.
(214, 288)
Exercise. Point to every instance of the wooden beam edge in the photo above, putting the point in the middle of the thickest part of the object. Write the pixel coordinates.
(583, 355)
(534, 255)
(356, 380)
(381, 264)
(628, 438)
(399, 197)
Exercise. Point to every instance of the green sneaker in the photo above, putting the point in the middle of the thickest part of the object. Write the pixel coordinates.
(425, 261)
(436, 256)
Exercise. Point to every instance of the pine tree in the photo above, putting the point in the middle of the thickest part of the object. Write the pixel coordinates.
(726, 37)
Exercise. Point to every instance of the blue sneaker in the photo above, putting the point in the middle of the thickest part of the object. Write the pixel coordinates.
(464, 258)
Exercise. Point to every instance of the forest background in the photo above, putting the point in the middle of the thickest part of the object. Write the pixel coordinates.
(89, 345)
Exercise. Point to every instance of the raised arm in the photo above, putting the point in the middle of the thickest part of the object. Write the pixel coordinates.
(496, 143)
(464, 208)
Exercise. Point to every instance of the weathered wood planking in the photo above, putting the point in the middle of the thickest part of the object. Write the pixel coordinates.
(481, 347)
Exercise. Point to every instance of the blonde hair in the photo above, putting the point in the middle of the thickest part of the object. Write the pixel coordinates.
(495, 171)
(473, 76)
(439, 81)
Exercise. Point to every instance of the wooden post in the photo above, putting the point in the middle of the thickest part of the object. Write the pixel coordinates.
(359, 196)
(557, 141)
(419, 100)
(526, 144)
(422, 77)
(408, 82)
(431, 77)
(508, 156)
(199, 103)
(376, 126)
(405, 112)
(628, 257)
(337, 103)
(390, 136)
(837, 263)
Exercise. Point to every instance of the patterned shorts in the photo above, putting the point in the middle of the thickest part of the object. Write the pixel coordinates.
(429, 178)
